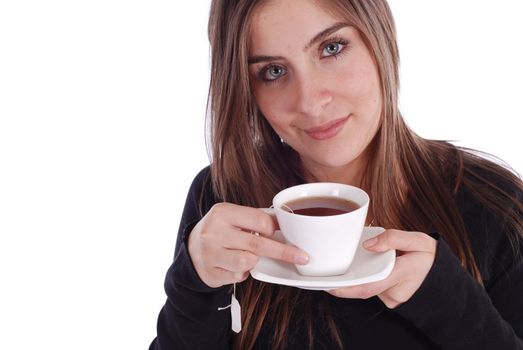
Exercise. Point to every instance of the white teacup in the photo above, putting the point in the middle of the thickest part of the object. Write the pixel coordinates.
(331, 241)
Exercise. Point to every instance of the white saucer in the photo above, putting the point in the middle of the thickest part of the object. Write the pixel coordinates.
(366, 267)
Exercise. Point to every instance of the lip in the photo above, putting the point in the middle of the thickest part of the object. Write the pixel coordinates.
(327, 130)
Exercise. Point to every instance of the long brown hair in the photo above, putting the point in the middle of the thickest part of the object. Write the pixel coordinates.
(415, 179)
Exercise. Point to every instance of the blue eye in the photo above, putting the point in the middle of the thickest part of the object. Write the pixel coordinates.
(333, 48)
(273, 73)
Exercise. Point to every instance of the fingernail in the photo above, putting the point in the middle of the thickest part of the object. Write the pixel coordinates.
(370, 242)
(302, 258)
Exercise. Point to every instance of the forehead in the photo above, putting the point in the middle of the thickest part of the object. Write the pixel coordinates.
(284, 24)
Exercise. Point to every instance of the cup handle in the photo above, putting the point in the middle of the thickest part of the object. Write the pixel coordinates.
(277, 236)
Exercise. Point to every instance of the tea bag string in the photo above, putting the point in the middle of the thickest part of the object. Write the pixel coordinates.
(233, 294)
(286, 207)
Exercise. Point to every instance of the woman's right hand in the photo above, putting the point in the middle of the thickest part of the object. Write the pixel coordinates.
(224, 249)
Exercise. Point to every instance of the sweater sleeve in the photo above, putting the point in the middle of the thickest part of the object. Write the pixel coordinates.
(457, 312)
(190, 318)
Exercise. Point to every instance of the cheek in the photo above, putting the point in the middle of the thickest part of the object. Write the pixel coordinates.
(363, 90)
(273, 106)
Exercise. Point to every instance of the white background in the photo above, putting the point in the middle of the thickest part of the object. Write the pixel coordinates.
(102, 108)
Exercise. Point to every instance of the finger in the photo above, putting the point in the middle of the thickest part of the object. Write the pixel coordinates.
(236, 260)
(272, 214)
(406, 241)
(263, 246)
(224, 277)
(246, 218)
(367, 290)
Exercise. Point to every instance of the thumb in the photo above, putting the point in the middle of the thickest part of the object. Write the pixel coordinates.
(401, 240)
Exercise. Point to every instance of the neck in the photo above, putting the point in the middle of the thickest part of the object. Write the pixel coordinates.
(345, 174)
(350, 174)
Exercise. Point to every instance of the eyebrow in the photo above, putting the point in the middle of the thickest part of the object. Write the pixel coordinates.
(318, 37)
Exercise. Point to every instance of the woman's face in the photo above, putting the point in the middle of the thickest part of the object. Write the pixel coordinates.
(315, 81)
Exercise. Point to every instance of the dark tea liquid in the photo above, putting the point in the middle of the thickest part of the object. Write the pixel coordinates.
(320, 206)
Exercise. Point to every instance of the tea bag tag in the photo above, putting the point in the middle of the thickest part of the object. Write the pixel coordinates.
(236, 312)
(236, 315)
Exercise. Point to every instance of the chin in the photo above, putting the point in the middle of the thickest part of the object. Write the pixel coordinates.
(333, 162)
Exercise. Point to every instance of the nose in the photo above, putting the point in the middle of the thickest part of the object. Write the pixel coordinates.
(312, 95)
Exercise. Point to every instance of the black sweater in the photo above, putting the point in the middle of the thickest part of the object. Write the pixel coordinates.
(449, 311)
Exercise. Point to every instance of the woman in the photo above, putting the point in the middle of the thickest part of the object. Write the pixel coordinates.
(306, 91)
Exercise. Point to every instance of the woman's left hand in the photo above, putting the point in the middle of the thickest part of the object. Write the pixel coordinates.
(416, 252)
